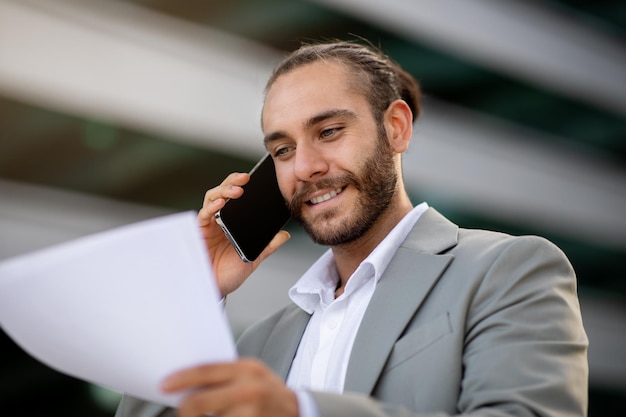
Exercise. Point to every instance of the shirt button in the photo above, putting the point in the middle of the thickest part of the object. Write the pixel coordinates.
(332, 324)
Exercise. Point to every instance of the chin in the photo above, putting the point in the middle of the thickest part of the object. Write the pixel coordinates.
(334, 233)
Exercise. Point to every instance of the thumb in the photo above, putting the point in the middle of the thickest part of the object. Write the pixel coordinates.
(278, 240)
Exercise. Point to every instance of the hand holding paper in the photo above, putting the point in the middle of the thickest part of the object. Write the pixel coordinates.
(123, 308)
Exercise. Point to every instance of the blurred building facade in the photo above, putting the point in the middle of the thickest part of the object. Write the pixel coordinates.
(116, 111)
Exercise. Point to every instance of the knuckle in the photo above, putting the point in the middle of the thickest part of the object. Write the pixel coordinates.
(209, 196)
(254, 366)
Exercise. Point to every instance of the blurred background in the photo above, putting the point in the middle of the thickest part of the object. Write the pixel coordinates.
(117, 111)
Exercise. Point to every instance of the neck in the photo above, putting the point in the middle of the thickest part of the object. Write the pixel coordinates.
(349, 256)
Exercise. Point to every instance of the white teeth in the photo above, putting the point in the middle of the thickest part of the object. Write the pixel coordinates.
(325, 197)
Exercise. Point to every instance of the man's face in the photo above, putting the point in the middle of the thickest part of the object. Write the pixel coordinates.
(334, 170)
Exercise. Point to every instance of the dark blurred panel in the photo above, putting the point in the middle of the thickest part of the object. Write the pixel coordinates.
(28, 388)
(45, 147)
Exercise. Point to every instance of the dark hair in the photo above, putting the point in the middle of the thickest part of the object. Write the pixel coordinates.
(381, 80)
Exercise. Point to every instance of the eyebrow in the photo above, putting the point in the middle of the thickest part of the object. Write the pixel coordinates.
(328, 114)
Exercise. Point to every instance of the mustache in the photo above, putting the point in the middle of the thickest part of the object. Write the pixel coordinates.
(301, 195)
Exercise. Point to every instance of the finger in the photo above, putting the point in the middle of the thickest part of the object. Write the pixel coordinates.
(206, 213)
(243, 387)
(215, 198)
(229, 188)
(279, 239)
(204, 375)
(207, 402)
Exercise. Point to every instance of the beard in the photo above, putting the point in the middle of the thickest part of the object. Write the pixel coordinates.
(375, 181)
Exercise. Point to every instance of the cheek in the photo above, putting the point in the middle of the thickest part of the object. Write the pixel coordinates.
(285, 183)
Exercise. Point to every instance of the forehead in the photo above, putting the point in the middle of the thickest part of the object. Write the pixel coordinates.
(310, 89)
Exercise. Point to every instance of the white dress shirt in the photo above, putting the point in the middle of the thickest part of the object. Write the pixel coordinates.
(322, 358)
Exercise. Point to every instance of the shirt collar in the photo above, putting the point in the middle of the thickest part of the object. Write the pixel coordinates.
(319, 282)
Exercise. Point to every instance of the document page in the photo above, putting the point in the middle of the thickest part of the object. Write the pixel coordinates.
(123, 308)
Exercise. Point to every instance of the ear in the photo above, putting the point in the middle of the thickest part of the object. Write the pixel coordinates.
(399, 125)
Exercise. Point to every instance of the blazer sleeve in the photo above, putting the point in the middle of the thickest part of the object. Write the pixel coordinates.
(524, 347)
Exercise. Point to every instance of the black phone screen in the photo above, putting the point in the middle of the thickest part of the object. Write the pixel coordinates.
(252, 220)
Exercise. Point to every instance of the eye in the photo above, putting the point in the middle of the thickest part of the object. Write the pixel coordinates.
(328, 133)
(282, 151)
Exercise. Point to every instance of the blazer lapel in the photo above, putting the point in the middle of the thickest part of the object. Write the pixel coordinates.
(283, 342)
(411, 274)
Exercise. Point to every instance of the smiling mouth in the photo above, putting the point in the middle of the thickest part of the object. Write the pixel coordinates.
(325, 197)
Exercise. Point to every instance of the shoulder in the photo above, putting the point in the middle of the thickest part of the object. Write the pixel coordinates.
(488, 265)
(528, 276)
(501, 249)
(436, 234)
(500, 264)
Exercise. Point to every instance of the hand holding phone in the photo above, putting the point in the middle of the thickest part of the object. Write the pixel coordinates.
(251, 221)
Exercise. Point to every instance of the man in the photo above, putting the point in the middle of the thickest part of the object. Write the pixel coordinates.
(406, 314)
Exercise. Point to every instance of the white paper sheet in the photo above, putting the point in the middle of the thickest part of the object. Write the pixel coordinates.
(122, 308)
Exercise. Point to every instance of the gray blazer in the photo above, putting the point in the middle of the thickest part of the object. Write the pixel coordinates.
(463, 322)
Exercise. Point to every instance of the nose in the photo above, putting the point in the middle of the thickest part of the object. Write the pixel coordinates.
(309, 163)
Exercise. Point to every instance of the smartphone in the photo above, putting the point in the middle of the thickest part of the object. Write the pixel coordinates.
(252, 220)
